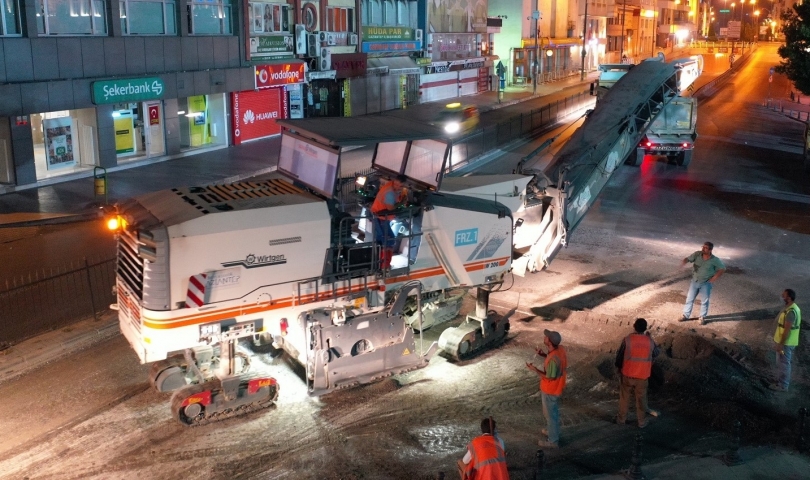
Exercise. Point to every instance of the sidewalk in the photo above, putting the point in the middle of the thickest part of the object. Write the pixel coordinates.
(221, 165)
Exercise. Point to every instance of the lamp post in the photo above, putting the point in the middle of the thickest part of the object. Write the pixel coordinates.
(756, 26)
(584, 39)
(536, 17)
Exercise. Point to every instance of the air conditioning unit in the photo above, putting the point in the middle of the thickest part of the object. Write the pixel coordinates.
(313, 45)
(300, 39)
(327, 38)
(325, 60)
(353, 39)
(419, 35)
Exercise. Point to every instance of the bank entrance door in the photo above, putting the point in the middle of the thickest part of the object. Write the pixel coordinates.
(152, 134)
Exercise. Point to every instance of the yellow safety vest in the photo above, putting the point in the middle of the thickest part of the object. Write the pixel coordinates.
(793, 337)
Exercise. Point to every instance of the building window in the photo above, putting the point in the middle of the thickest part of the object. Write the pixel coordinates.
(10, 20)
(72, 17)
(389, 14)
(269, 17)
(403, 16)
(339, 19)
(209, 17)
(148, 17)
(371, 12)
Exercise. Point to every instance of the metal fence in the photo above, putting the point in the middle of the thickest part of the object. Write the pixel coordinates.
(489, 138)
(55, 298)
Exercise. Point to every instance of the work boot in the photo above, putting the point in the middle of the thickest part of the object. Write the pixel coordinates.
(683, 318)
(644, 423)
(703, 320)
(620, 421)
(544, 432)
(653, 412)
(547, 444)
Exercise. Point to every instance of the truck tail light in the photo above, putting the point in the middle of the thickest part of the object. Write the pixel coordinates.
(685, 145)
(648, 144)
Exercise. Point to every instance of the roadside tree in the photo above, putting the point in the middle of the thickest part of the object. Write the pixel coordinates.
(796, 49)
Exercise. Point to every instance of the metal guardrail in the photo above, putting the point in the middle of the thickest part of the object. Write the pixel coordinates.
(487, 139)
(712, 87)
(59, 297)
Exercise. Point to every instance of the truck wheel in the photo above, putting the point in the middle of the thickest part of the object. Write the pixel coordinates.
(684, 158)
(638, 158)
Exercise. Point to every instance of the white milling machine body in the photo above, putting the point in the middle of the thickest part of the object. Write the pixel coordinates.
(281, 261)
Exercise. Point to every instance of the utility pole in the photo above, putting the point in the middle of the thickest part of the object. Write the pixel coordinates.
(536, 17)
(584, 39)
(624, 32)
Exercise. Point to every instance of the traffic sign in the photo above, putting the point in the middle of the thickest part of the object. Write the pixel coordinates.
(771, 70)
(725, 11)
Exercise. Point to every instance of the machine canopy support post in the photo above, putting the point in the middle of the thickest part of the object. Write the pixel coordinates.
(481, 303)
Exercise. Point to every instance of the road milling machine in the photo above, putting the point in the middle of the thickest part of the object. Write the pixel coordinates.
(297, 262)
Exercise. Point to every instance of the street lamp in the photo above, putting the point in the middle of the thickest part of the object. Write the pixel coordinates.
(732, 10)
(584, 40)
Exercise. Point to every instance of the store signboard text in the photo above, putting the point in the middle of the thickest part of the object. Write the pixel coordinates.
(127, 90)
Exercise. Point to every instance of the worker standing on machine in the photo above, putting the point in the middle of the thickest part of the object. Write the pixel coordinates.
(391, 196)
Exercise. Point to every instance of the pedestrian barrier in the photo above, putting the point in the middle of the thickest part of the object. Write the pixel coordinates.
(634, 472)
(732, 457)
(48, 300)
(779, 106)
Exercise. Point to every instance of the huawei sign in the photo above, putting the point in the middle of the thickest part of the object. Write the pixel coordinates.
(279, 75)
(255, 113)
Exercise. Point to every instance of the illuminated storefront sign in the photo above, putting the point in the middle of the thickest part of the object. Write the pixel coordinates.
(279, 74)
(369, 47)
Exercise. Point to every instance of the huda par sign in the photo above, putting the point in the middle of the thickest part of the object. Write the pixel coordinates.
(127, 90)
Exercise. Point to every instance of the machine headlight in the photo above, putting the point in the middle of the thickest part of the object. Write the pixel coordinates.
(452, 127)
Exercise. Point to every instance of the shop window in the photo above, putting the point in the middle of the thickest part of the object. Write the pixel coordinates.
(202, 121)
(72, 17)
(148, 17)
(10, 20)
(269, 17)
(339, 19)
(209, 17)
(64, 141)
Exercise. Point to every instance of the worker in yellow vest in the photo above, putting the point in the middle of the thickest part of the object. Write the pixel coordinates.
(787, 338)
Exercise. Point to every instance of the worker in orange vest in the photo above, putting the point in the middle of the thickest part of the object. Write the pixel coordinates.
(634, 360)
(552, 383)
(485, 458)
(391, 195)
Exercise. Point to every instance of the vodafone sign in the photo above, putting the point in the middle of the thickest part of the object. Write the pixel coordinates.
(255, 113)
(279, 75)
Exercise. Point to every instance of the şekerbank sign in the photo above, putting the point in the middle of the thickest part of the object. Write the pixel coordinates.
(127, 90)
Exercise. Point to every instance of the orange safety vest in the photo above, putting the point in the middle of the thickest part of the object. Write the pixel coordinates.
(555, 386)
(638, 350)
(387, 198)
(488, 460)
